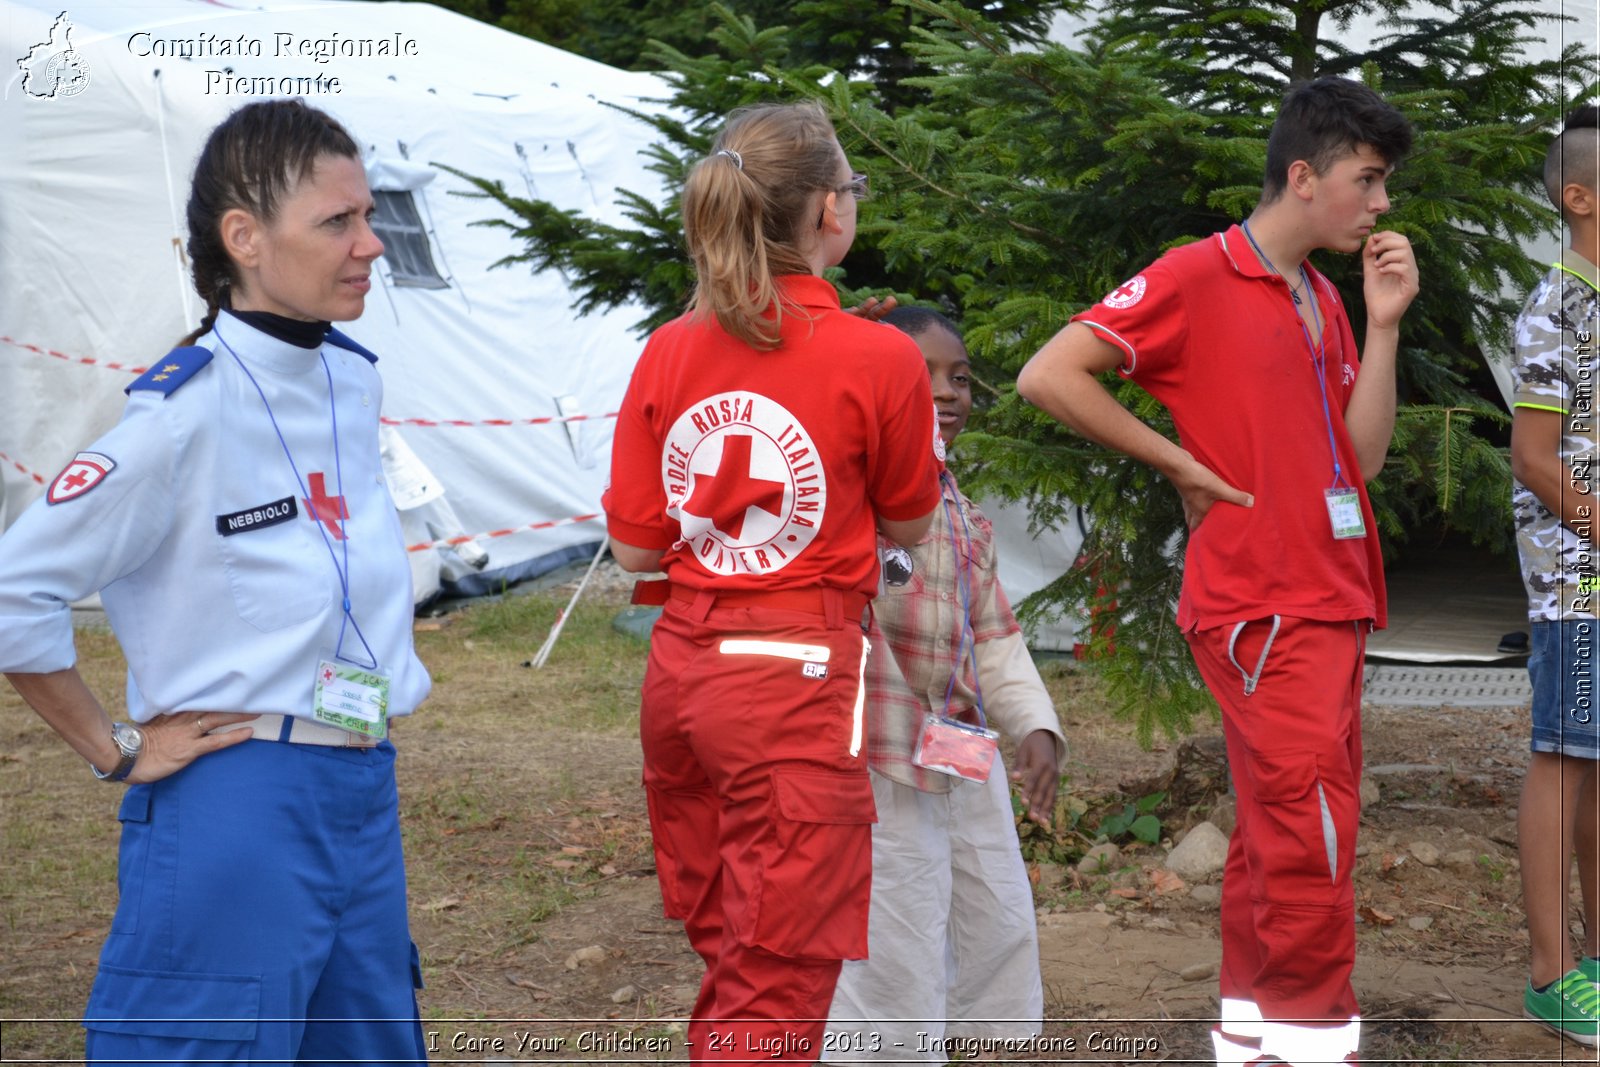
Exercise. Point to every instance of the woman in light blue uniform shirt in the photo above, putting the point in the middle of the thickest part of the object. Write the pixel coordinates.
(239, 531)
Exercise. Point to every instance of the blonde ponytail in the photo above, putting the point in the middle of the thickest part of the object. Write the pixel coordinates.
(747, 209)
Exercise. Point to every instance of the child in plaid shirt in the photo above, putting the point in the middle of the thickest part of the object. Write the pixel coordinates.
(953, 951)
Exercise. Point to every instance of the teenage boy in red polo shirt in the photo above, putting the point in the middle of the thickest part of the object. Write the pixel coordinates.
(1281, 422)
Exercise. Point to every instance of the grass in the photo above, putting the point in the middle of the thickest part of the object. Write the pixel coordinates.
(58, 839)
(519, 800)
(518, 791)
(523, 820)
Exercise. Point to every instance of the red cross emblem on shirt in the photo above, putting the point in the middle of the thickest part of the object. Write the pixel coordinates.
(1128, 293)
(724, 496)
(326, 509)
(87, 470)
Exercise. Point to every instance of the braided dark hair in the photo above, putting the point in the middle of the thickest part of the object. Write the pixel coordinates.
(255, 157)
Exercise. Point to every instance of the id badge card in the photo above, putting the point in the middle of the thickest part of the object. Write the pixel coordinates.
(352, 698)
(1344, 513)
(956, 749)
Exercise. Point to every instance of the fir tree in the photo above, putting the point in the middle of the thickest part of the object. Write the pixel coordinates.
(1026, 179)
(859, 40)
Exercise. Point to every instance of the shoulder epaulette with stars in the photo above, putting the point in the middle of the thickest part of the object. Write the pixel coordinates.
(172, 370)
(339, 340)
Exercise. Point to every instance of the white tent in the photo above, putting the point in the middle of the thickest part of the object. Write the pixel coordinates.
(494, 386)
(499, 389)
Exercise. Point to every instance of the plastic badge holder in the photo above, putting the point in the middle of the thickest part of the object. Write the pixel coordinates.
(956, 749)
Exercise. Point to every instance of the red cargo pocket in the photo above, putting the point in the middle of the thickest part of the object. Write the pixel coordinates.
(811, 894)
(1280, 778)
(825, 797)
(1302, 857)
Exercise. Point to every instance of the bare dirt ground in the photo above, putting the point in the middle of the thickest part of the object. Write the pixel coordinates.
(536, 909)
(1440, 961)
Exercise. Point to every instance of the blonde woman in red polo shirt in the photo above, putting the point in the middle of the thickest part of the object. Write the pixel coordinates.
(1281, 423)
(765, 438)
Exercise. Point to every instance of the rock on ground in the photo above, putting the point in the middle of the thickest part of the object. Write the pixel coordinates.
(1100, 859)
(1203, 852)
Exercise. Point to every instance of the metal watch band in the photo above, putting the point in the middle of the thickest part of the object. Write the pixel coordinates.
(129, 749)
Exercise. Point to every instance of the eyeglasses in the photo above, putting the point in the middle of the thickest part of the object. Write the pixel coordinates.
(857, 187)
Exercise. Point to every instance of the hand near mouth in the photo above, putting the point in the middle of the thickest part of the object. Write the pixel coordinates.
(1389, 268)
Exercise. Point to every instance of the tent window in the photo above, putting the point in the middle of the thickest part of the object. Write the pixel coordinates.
(405, 241)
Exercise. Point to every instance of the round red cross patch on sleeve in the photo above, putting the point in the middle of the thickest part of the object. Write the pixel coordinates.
(87, 470)
(1127, 294)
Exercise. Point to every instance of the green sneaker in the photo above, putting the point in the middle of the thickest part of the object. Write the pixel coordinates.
(1570, 1007)
(1590, 968)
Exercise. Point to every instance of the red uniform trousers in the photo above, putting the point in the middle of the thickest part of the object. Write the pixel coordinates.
(760, 810)
(1290, 691)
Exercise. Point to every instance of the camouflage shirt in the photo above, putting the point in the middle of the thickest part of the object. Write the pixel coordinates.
(1557, 369)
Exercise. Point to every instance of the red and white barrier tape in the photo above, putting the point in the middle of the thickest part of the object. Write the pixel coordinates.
(436, 423)
(87, 361)
(7, 459)
(451, 542)
(446, 543)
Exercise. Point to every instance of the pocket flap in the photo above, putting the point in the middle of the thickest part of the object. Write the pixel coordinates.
(215, 1007)
(824, 797)
(1283, 777)
(135, 804)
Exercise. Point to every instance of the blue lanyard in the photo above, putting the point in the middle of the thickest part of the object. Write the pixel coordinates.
(1319, 351)
(968, 644)
(348, 620)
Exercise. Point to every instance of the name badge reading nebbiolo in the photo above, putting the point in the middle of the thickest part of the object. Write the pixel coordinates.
(352, 698)
(1344, 513)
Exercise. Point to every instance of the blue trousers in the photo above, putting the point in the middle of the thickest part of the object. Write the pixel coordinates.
(262, 915)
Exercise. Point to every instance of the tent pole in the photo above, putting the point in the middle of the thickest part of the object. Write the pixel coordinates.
(172, 200)
(561, 619)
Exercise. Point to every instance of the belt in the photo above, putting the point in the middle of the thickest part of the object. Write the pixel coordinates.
(298, 731)
(835, 605)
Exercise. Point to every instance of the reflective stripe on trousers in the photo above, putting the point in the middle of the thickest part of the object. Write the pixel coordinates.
(1242, 1037)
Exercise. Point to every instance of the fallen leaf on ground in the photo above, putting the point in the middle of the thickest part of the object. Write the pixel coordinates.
(443, 904)
(1164, 881)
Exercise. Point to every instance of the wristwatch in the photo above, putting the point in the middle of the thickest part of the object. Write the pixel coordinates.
(129, 740)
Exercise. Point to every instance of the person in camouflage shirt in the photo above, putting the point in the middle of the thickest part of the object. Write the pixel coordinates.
(1554, 334)
(1553, 450)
